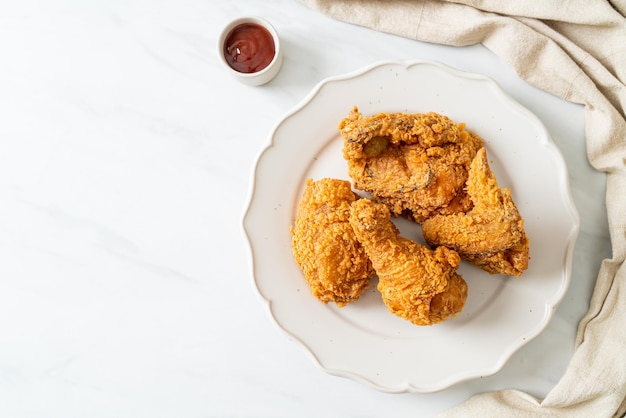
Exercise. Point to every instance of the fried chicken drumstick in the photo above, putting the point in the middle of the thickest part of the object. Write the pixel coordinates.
(416, 283)
(491, 235)
(324, 245)
(417, 164)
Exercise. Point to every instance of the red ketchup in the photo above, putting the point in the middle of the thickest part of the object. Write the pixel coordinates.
(249, 48)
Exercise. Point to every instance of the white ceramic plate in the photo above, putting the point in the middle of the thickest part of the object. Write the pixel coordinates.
(363, 340)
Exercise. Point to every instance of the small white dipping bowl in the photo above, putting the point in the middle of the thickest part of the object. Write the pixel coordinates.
(259, 77)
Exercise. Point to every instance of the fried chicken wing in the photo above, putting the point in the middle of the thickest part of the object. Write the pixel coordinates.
(334, 264)
(417, 164)
(491, 234)
(416, 283)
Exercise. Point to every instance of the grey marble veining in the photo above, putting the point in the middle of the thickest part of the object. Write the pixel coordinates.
(125, 159)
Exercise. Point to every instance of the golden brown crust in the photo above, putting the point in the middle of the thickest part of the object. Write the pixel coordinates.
(325, 248)
(416, 164)
(432, 170)
(491, 234)
(416, 283)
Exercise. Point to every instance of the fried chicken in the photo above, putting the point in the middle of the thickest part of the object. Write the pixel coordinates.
(491, 234)
(416, 283)
(417, 164)
(325, 247)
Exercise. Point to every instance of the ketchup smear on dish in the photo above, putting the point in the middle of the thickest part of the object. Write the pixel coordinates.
(249, 48)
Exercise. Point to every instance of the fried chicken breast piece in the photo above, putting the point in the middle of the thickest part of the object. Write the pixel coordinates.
(417, 164)
(491, 234)
(416, 283)
(334, 263)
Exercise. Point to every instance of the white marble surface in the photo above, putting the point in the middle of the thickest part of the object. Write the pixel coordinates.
(125, 158)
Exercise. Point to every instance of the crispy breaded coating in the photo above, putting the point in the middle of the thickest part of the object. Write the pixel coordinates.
(325, 247)
(416, 164)
(416, 283)
(491, 234)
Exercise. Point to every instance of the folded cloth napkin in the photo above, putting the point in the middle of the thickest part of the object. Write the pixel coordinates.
(575, 49)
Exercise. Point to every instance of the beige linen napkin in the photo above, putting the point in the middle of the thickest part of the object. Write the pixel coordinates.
(575, 49)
